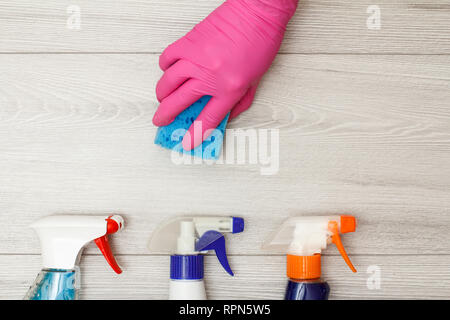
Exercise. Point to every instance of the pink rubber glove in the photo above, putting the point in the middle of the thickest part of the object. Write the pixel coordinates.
(224, 56)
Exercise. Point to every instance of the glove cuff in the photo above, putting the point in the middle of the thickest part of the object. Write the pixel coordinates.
(277, 12)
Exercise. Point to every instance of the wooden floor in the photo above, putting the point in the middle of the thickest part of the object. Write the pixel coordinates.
(364, 120)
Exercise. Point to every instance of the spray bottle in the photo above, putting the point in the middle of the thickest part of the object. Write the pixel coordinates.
(186, 239)
(303, 239)
(62, 240)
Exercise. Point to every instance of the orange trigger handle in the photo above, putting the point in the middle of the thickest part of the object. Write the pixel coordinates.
(336, 239)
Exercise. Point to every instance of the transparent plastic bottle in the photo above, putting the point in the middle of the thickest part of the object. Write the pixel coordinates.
(54, 284)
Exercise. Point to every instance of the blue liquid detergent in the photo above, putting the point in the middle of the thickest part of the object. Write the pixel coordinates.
(307, 290)
(54, 284)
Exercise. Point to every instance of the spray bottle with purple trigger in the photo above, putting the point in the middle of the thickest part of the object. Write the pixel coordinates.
(186, 239)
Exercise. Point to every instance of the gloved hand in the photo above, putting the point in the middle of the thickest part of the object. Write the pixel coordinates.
(224, 56)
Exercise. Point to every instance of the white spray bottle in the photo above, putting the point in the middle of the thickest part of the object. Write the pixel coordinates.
(62, 240)
(186, 238)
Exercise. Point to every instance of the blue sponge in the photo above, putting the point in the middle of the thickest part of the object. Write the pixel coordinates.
(171, 136)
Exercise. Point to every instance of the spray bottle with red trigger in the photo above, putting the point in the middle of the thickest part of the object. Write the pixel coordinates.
(63, 238)
(303, 239)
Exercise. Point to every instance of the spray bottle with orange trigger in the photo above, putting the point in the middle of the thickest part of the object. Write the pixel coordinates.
(303, 239)
(63, 238)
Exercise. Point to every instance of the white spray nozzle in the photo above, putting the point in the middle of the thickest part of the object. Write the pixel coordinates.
(193, 235)
(187, 238)
(178, 236)
(306, 236)
(63, 237)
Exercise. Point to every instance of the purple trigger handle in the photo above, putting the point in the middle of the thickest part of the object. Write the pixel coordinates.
(214, 240)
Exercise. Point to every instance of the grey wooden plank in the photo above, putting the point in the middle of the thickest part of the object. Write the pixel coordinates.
(257, 277)
(320, 26)
(365, 135)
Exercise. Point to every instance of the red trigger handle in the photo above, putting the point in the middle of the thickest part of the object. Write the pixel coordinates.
(103, 244)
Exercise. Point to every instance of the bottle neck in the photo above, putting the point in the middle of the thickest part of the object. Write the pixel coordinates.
(187, 267)
(303, 267)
